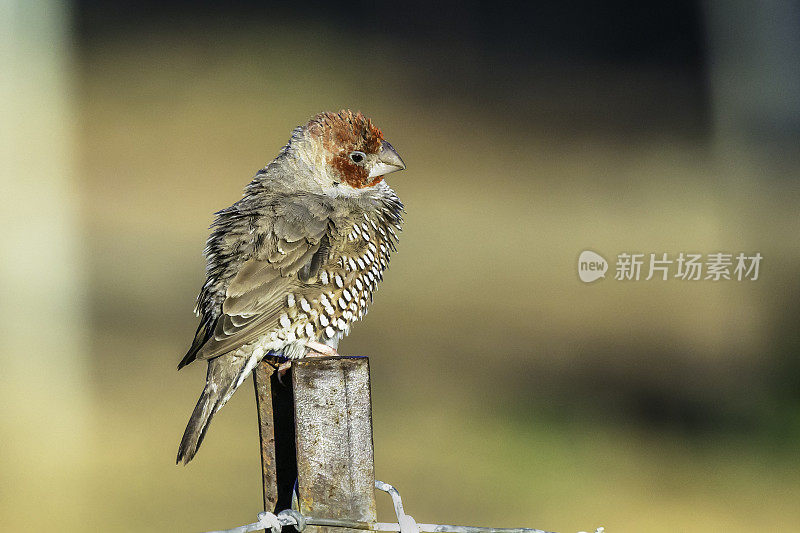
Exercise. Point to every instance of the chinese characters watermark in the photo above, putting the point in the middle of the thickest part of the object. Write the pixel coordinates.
(685, 266)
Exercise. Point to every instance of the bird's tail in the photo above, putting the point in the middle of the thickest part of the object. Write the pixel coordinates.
(225, 374)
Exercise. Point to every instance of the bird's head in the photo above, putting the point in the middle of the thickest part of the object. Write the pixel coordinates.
(351, 149)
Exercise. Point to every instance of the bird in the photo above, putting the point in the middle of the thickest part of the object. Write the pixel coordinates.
(295, 262)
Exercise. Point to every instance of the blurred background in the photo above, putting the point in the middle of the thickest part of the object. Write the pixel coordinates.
(506, 392)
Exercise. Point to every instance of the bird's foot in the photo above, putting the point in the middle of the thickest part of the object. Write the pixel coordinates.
(320, 350)
(317, 349)
(283, 368)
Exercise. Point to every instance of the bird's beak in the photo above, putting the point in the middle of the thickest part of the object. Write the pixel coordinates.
(388, 161)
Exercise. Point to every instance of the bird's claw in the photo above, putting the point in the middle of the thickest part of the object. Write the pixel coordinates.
(320, 350)
(282, 370)
(317, 349)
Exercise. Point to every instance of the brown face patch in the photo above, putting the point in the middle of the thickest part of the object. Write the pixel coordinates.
(342, 133)
(354, 175)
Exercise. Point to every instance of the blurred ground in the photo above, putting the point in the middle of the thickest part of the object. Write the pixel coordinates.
(506, 392)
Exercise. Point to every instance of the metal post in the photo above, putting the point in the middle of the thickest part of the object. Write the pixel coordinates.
(333, 423)
(275, 406)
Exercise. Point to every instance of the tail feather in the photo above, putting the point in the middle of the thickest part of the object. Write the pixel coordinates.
(225, 374)
(204, 331)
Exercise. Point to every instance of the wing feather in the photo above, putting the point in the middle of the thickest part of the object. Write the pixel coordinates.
(256, 296)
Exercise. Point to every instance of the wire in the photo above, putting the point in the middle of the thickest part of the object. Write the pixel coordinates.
(405, 523)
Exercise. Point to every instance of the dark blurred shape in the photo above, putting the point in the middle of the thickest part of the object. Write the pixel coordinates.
(620, 31)
(785, 371)
(755, 71)
(554, 65)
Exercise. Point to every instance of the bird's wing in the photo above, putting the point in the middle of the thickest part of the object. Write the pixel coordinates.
(255, 298)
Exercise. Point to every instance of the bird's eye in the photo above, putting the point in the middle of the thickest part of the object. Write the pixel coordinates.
(357, 157)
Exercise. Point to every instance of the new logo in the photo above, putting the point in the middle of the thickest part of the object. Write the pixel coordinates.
(591, 266)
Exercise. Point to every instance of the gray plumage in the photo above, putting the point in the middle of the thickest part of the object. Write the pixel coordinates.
(297, 259)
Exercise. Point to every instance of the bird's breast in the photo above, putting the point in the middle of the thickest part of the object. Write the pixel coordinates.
(325, 308)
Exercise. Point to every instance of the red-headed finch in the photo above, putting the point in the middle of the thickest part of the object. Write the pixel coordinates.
(294, 263)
